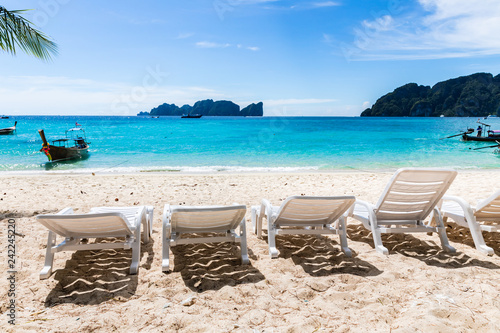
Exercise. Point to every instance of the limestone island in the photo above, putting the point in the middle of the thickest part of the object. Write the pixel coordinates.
(207, 107)
(476, 95)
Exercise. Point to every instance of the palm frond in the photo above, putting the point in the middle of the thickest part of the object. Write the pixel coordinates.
(15, 30)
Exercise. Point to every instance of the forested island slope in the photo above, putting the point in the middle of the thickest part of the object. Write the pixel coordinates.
(207, 108)
(476, 95)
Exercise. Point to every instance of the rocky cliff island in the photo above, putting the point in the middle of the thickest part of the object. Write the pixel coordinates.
(476, 95)
(207, 108)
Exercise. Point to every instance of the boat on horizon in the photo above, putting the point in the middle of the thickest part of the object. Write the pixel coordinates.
(191, 116)
(8, 130)
(73, 146)
(4, 117)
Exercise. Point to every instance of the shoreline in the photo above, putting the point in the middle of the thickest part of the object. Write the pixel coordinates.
(210, 171)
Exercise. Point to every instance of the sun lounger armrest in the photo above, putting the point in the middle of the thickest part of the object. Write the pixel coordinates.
(66, 211)
(150, 211)
(370, 208)
(466, 207)
(266, 204)
(149, 217)
(463, 204)
(350, 211)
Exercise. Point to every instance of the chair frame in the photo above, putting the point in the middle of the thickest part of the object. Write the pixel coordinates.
(470, 218)
(380, 221)
(73, 242)
(335, 224)
(171, 235)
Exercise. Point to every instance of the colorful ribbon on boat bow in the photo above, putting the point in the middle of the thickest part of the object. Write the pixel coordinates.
(46, 150)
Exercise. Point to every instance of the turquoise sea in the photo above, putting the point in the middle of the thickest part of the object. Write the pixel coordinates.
(212, 144)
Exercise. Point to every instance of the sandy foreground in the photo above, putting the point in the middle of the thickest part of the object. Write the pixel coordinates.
(311, 287)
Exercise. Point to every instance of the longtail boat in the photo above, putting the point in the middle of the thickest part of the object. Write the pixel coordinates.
(491, 136)
(8, 130)
(73, 146)
(191, 116)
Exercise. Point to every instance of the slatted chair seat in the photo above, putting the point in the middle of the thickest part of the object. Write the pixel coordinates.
(303, 215)
(409, 198)
(180, 222)
(100, 222)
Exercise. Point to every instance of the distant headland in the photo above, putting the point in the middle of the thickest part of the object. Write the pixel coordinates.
(476, 95)
(207, 107)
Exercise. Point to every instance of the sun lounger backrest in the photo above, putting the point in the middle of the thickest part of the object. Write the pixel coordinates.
(489, 209)
(411, 194)
(206, 219)
(87, 225)
(308, 210)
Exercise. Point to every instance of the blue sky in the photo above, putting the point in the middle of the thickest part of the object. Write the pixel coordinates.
(332, 58)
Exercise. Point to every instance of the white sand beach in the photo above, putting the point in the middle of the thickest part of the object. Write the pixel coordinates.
(311, 287)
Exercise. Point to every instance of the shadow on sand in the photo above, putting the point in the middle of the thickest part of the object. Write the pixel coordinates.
(459, 234)
(321, 255)
(430, 252)
(211, 266)
(92, 277)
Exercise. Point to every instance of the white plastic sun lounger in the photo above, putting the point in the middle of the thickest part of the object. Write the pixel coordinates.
(100, 222)
(487, 210)
(408, 199)
(184, 220)
(316, 215)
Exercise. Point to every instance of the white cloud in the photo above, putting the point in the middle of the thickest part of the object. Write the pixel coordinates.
(325, 4)
(447, 29)
(383, 23)
(211, 45)
(252, 2)
(41, 95)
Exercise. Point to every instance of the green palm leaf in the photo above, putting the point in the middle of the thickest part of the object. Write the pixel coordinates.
(16, 31)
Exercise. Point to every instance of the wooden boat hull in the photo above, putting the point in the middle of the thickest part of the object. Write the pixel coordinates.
(466, 137)
(8, 130)
(64, 154)
(192, 116)
(5, 131)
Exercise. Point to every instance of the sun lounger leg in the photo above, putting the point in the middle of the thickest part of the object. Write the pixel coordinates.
(377, 239)
(260, 217)
(243, 244)
(342, 230)
(165, 264)
(148, 227)
(271, 238)
(136, 250)
(145, 224)
(476, 233)
(441, 230)
(49, 257)
(254, 219)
